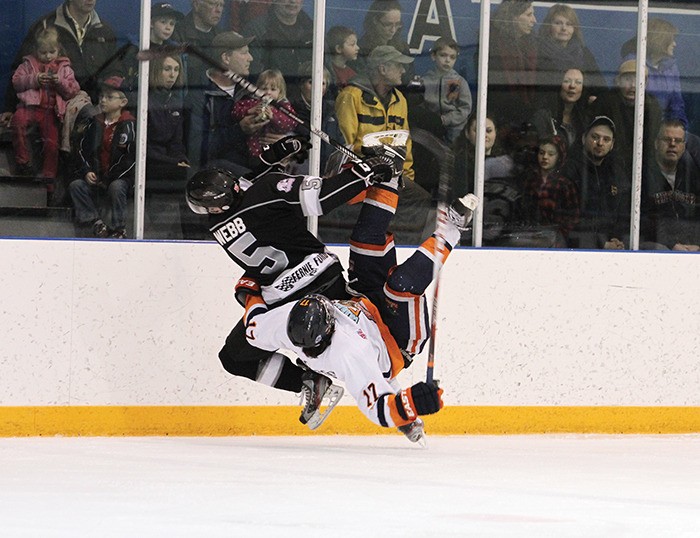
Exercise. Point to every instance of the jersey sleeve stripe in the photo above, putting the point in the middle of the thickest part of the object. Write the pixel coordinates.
(310, 202)
(381, 413)
(254, 305)
(382, 198)
(415, 308)
(429, 248)
(370, 249)
(397, 362)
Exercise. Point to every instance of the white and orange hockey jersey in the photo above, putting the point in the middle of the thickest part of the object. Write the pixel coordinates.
(362, 354)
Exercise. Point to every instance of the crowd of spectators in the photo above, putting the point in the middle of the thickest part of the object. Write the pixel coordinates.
(559, 140)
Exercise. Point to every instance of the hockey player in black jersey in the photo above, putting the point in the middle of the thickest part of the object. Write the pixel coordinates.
(264, 230)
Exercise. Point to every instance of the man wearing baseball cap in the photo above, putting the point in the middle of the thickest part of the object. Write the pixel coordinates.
(219, 139)
(370, 103)
(603, 186)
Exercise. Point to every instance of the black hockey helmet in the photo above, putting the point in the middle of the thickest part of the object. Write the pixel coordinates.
(311, 323)
(213, 188)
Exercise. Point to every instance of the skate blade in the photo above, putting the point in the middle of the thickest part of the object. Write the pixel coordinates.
(333, 396)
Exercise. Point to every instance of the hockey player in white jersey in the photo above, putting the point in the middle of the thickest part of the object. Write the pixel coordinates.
(366, 341)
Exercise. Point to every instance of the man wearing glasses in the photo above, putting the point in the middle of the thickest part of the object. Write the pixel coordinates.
(671, 193)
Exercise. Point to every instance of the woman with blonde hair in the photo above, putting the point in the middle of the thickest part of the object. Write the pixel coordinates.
(664, 79)
(562, 47)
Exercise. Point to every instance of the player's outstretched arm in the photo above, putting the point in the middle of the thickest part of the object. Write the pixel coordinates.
(352, 180)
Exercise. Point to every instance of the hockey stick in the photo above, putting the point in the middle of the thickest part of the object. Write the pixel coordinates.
(445, 156)
(186, 48)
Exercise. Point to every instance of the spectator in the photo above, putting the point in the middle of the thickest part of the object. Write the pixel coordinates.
(302, 106)
(441, 108)
(166, 159)
(562, 47)
(604, 188)
(512, 63)
(564, 109)
(341, 48)
(382, 26)
(283, 39)
(198, 28)
(44, 82)
(107, 153)
(164, 19)
(272, 83)
(88, 41)
(447, 94)
(244, 11)
(549, 200)
(671, 193)
(465, 152)
(663, 76)
(372, 103)
(221, 140)
(618, 104)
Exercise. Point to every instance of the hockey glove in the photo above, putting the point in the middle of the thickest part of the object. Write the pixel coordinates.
(295, 147)
(372, 170)
(393, 155)
(420, 399)
(244, 287)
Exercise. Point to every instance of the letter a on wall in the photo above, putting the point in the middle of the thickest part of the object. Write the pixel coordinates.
(432, 19)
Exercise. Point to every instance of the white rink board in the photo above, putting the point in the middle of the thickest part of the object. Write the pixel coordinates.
(141, 323)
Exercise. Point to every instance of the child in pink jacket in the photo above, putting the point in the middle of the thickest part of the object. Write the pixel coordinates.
(44, 83)
(272, 83)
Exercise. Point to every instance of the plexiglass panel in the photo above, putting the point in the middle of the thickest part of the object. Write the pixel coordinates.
(559, 131)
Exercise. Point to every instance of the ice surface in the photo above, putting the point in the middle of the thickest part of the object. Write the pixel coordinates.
(344, 486)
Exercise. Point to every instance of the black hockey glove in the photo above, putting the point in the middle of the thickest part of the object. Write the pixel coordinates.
(420, 399)
(295, 147)
(373, 170)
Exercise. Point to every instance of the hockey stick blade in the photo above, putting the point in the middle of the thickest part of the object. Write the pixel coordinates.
(187, 48)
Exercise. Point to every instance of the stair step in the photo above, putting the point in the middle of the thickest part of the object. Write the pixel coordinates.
(36, 222)
(23, 192)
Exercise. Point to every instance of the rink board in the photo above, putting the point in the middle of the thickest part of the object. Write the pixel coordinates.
(121, 338)
(345, 420)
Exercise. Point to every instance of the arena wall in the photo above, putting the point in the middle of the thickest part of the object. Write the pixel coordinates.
(121, 338)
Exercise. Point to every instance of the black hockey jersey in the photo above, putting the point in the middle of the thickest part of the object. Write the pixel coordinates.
(267, 234)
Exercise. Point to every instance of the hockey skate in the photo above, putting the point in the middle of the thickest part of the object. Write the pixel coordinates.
(461, 211)
(415, 432)
(315, 390)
